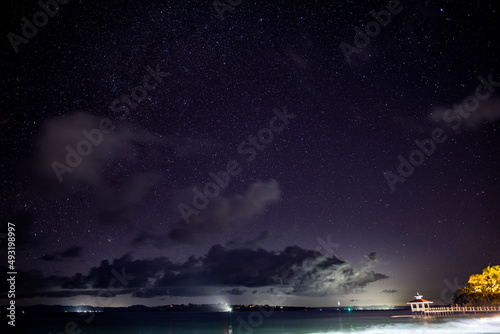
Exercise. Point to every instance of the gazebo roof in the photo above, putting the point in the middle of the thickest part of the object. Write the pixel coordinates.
(419, 301)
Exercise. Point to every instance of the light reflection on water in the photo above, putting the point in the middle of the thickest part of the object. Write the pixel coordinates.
(277, 323)
(434, 326)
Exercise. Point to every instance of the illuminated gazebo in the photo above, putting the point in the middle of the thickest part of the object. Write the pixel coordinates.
(419, 305)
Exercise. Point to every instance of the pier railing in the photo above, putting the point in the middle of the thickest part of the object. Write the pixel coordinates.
(456, 310)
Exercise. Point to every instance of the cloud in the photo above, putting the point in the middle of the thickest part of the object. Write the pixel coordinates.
(58, 133)
(126, 148)
(372, 257)
(125, 144)
(389, 291)
(116, 198)
(70, 253)
(233, 291)
(195, 291)
(336, 279)
(293, 271)
(238, 242)
(221, 215)
(487, 111)
(31, 281)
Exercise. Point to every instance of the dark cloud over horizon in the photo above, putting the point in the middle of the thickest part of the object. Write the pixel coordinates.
(294, 271)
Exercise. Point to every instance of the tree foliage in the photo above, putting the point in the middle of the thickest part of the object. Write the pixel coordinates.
(481, 290)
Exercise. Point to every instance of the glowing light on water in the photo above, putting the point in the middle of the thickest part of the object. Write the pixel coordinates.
(449, 326)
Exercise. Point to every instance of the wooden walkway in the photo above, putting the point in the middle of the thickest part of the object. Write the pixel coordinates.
(449, 311)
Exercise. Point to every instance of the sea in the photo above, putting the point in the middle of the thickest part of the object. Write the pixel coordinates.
(285, 322)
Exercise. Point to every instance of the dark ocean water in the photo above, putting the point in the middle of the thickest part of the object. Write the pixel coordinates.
(297, 322)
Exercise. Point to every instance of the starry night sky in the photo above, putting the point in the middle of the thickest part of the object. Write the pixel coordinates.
(309, 216)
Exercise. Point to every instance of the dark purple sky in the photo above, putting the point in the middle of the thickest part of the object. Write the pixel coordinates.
(306, 123)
